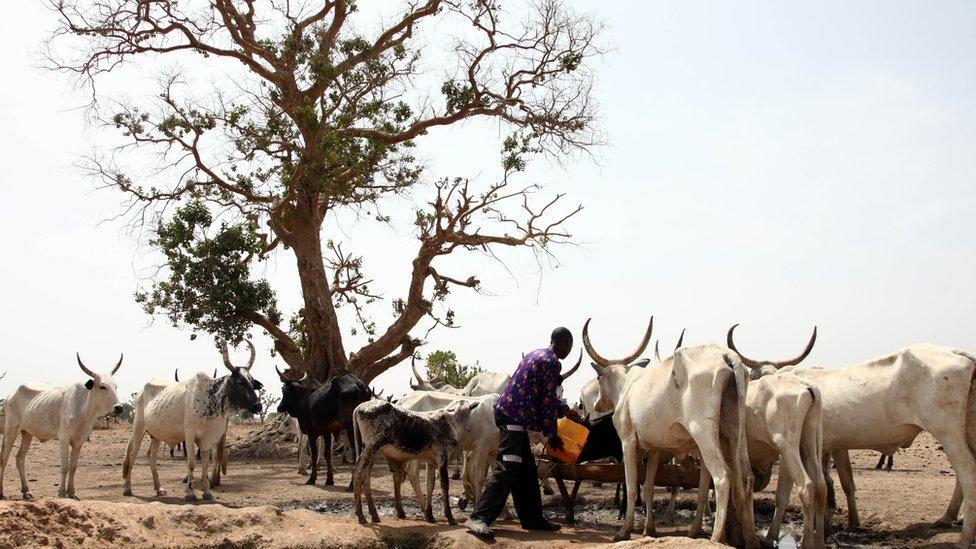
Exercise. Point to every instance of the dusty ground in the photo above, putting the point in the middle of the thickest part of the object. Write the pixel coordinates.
(265, 503)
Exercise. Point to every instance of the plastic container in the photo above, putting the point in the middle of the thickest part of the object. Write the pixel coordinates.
(574, 438)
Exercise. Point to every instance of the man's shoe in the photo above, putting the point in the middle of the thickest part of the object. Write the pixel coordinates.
(544, 527)
(479, 528)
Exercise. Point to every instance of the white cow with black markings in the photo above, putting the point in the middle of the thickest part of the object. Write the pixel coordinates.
(66, 414)
(194, 411)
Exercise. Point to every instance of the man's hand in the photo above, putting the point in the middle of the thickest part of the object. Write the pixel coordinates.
(573, 415)
(555, 443)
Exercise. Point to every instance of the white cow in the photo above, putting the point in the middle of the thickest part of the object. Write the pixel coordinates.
(693, 402)
(290, 425)
(485, 383)
(887, 401)
(63, 413)
(194, 411)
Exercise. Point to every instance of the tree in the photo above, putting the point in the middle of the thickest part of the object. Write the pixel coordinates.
(268, 400)
(443, 367)
(317, 117)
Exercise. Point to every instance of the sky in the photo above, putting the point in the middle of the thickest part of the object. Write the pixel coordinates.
(772, 164)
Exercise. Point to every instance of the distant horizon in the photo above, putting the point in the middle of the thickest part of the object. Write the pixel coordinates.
(777, 166)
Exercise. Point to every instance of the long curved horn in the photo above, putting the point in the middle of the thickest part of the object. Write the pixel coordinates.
(84, 368)
(254, 355)
(225, 354)
(176, 374)
(589, 346)
(420, 380)
(643, 344)
(574, 368)
(681, 339)
(776, 364)
(118, 365)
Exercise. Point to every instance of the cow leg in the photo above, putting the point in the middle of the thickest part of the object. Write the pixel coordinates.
(429, 503)
(668, 517)
(891, 462)
(398, 474)
(963, 462)
(190, 464)
(629, 445)
(131, 452)
(329, 481)
(204, 473)
(153, 454)
(302, 454)
(11, 429)
(446, 488)
(313, 449)
(811, 447)
(65, 447)
(880, 462)
(711, 454)
(784, 487)
(25, 442)
(845, 473)
(831, 496)
(704, 484)
(952, 512)
(790, 461)
(373, 515)
(358, 480)
(653, 460)
(413, 474)
(72, 467)
(350, 443)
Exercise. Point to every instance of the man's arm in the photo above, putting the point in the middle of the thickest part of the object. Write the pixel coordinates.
(551, 407)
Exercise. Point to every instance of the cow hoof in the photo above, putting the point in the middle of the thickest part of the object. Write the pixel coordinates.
(400, 514)
(61, 494)
(362, 519)
(215, 483)
(190, 497)
(329, 482)
(74, 497)
(375, 518)
(349, 489)
(650, 533)
(1, 495)
(462, 503)
(621, 536)
(456, 475)
(127, 492)
(451, 521)
(159, 493)
(208, 497)
(430, 519)
(28, 496)
(695, 533)
(310, 481)
(941, 525)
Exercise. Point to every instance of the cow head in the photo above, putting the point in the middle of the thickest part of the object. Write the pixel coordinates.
(242, 388)
(294, 392)
(103, 396)
(761, 368)
(611, 374)
(459, 413)
(422, 384)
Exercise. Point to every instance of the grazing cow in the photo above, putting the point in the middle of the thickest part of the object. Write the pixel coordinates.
(195, 411)
(885, 402)
(694, 401)
(322, 410)
(403, 436)
(66, 414)
(479, 441)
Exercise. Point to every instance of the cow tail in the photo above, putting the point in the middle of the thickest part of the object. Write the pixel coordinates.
(357, 434)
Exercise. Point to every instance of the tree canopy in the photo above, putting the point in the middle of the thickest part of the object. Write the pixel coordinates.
(313, 109)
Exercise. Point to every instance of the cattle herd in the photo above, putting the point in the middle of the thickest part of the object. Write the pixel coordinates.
(735, 415)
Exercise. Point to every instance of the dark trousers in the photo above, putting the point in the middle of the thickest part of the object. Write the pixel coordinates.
(515, 473)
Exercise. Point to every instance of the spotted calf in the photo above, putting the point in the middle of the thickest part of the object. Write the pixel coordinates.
(403, 436)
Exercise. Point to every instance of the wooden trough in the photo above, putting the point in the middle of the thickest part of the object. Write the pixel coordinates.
(668, 475)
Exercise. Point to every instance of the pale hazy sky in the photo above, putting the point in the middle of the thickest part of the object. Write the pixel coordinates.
(770, 164)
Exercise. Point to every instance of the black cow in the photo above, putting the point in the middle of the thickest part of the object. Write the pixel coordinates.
(323, 409)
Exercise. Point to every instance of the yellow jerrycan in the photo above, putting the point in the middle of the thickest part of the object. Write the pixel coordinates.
(574, 438)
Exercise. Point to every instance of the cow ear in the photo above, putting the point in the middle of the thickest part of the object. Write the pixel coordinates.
(600, 370)
(89, 384)
(642, 363)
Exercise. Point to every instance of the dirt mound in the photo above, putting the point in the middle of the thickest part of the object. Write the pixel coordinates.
(262, 443)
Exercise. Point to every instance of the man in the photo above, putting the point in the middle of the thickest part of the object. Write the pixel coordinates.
(529, 402)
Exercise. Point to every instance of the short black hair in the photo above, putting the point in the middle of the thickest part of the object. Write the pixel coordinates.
(561, 335)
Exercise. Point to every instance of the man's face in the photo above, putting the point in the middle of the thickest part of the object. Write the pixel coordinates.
(562, 347)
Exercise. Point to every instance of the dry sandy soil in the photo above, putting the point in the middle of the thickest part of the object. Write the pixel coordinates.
(265, 503)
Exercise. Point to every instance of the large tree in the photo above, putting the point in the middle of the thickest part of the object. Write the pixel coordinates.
(311, 109)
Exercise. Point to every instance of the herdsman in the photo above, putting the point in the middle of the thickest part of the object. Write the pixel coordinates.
(529, 402)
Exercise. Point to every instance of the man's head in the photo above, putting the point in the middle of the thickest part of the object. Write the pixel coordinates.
(561, 342)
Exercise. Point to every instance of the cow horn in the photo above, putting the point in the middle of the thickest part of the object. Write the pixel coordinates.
(225, 354)
(413, 366)
(589, 346)
(643, 344)
(84, 368)
(118, 364)
(657, 351)
(281, 375)
(681, 339)
(304, 376)
(176, 374)
(574, 368)
(780, 364)
(254, 354)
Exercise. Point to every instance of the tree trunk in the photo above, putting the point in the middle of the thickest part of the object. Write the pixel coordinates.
(324, 352)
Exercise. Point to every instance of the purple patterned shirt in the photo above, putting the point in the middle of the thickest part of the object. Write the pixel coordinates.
(530, 396)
